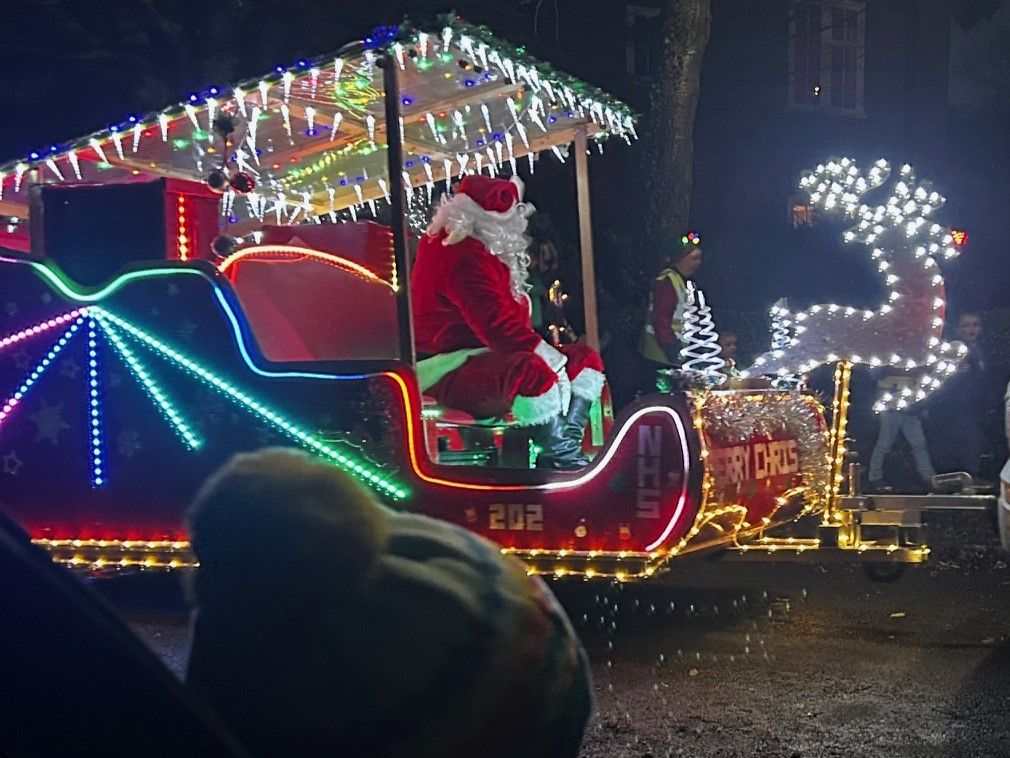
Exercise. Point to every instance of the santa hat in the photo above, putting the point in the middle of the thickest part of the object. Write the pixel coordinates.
(496, 195)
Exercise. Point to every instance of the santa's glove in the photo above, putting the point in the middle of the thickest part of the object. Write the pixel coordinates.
(557, 360)
(565, 386)
(551, 356)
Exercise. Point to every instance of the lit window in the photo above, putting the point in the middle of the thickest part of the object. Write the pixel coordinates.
(826, 49)
(802, 213)
(644, 41)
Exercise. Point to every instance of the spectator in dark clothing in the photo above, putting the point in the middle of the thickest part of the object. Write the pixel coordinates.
(962, 401)
(328, 625)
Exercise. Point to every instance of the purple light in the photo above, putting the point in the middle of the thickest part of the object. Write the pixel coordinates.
(407, 100)
(469, 83)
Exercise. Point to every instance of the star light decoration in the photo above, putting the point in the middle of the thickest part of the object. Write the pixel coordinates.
(905, 332)
(125, 338)
(12, 463)
(313, 102)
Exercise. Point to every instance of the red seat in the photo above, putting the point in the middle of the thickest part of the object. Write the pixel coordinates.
(314, 305)
(307, 307)
(450, 430)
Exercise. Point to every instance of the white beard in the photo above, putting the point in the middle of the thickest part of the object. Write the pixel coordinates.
(502, 233)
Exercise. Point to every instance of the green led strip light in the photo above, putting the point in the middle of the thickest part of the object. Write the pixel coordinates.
(362, 472)
(157, 395)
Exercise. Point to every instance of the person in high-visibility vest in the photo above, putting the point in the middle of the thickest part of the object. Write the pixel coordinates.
(661, 338)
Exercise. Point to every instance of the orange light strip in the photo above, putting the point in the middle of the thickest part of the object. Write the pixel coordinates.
(160, 544)
(295, 251)
(183, 236)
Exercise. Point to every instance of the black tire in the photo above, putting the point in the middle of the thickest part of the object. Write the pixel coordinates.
(884, 573)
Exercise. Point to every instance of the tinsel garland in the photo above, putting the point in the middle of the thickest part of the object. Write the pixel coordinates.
(736, 417)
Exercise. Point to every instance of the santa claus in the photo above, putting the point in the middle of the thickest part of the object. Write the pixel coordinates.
(476, 346)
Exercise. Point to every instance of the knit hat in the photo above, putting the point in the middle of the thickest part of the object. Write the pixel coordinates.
(676, 247)
(407, 636)
(497, 195)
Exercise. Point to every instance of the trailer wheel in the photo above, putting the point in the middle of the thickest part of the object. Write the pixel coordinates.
(884, 572)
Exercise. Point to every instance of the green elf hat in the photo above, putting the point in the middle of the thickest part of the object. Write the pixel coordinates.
(676, 247)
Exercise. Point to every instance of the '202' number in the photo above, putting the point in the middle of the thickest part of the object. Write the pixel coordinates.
(516, 517)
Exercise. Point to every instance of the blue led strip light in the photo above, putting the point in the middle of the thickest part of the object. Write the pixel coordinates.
(362, 472)
(182, 429)
(95, 430)
(14, 400)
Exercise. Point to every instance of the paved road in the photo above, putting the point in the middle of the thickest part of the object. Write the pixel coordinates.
(730, 659)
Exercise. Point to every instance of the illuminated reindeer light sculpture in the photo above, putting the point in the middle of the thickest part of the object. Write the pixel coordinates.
(906, 330)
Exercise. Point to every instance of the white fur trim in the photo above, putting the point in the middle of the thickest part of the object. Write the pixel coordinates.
(431, 370)
(531, 411)
(520, 185)
(551, 356)
(588, 384)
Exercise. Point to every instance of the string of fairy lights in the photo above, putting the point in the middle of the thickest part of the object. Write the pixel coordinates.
(701, 352)
(503, 99)
(904, 242)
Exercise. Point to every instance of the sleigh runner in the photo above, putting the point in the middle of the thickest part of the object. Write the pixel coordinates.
(141, 356)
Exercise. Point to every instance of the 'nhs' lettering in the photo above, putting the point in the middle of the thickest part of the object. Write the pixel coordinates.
(650, 475)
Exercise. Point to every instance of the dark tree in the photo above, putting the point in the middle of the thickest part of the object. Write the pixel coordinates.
(686, 25)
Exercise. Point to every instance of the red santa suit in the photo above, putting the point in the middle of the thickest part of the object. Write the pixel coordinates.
(476, 346)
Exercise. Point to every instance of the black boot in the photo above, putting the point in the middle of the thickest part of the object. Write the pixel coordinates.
(557, 450)
(578, 417)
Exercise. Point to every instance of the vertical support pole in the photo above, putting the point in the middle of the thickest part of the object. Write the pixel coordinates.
(394, 156)
(839, 424)
(586, 240)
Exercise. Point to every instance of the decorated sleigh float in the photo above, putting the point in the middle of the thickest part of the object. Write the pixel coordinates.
(144, 346)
